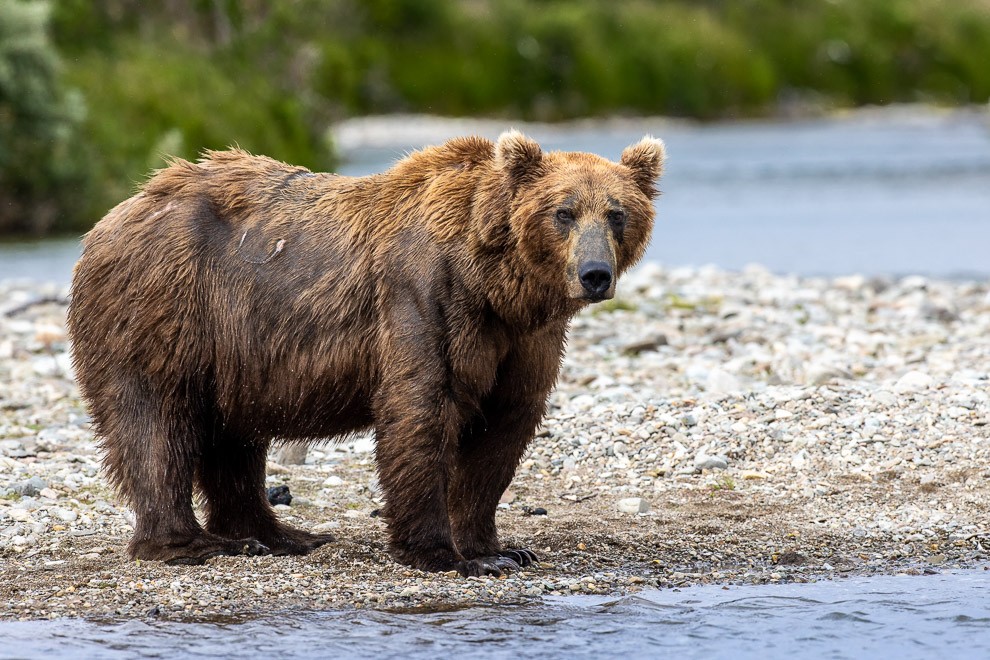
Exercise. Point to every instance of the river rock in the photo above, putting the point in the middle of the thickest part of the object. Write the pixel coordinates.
(293, 453)
(20, 515)
(279, 495)
(704, 462)
(913, 381)
(721, 382)
(645, 345)
(66, 515)
(30, 488)
(633, 505)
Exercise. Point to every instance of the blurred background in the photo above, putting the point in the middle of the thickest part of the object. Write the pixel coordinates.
(812, 136)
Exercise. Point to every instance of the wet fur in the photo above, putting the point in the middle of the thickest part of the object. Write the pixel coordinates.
(239, 300)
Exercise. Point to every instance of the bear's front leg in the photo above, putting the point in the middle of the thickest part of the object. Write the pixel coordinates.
(417, 425)
(490, 449)
(485, 464)
(413, 453)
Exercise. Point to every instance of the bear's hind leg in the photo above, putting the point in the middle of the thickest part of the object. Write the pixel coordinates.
(231, 478)
(152, 461)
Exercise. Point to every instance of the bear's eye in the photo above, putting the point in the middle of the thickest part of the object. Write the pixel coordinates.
(565, 216)
(617, 218)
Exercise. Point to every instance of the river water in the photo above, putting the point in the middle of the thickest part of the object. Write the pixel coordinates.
(903, 617)
(884, 193)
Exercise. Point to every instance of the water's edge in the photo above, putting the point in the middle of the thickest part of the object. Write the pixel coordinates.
(907, 616)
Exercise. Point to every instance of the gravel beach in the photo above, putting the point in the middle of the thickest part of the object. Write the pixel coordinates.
(708, 427)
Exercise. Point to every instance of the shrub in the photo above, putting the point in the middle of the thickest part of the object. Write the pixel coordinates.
(40, 174)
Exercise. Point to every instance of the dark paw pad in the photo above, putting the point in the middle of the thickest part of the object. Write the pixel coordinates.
(521, 556)
(495, 566)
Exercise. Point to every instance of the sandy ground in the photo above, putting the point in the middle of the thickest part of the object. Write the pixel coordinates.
(693, 535)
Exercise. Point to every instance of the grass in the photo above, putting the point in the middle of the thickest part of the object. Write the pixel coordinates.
(613, 305)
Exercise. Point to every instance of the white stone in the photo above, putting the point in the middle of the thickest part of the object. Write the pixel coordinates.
(363, 445)
(20, 515)
(820, 374)
(913, 381)
(704, 462)
(850, 282)
(45, 366)
(583, 401)
(885, 397)
(722, 382)
(633, 505)
(65, 515)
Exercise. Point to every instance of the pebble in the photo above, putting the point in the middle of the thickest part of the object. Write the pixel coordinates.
(633, 505)
(279, 495)
(913, 381)
(645, 345)
(705, 462)
(31, 487)
(66, 515)
(721, 382)
(19, 515)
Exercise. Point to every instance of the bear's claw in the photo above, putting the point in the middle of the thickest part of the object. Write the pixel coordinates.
(496, 566)
(522, 556)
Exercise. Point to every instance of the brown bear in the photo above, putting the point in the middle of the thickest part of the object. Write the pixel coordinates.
(239, 300)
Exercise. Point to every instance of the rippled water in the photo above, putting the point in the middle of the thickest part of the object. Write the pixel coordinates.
(885, 194)
(932, 616)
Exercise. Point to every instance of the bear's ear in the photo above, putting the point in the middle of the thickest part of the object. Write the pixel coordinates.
(519, 156)
(645, 159)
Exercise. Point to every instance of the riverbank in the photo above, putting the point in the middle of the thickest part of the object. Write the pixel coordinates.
(765, 428)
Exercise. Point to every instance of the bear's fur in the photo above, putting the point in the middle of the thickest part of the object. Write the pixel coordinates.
(239, 300)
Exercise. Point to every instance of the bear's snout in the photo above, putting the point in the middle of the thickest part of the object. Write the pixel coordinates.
(596, 278)
(591, 267)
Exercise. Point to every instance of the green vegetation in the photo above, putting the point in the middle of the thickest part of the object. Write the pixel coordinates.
(140, 79)
(613, 305)
(38, 122)
(724, 482)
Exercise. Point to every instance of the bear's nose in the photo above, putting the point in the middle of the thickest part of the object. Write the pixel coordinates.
(596, 277)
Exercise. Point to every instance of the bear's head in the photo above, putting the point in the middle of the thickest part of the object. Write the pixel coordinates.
(579, 220)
